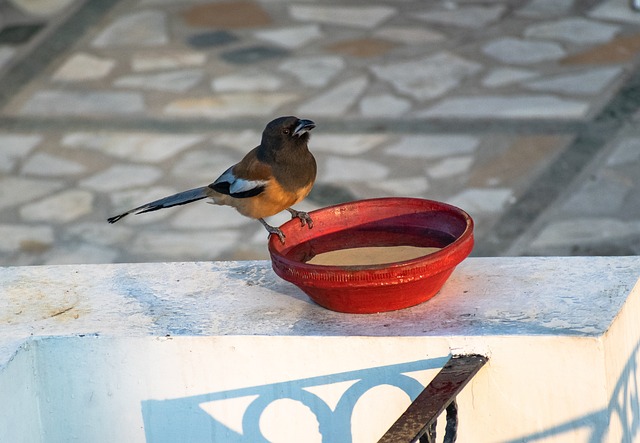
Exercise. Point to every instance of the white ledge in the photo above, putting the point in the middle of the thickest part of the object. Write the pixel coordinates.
(503, 296)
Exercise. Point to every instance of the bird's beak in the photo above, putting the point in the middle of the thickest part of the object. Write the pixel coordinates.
(303, 127)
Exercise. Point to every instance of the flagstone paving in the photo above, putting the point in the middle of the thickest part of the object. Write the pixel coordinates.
(520, 112)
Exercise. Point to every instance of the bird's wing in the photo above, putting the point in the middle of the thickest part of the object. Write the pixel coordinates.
(246, 179)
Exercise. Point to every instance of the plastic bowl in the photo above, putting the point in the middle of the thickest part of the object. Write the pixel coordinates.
(375, 222)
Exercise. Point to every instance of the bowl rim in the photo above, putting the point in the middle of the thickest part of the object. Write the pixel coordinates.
(447, 257)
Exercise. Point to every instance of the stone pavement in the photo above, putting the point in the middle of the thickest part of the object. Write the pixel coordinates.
(523, 113)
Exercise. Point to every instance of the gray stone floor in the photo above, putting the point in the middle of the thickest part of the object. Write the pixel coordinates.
(523, 113)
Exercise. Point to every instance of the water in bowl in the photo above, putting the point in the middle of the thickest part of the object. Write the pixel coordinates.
(367, 246)
(371, 255)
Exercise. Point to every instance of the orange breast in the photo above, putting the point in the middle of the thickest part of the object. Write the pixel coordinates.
(271, 201)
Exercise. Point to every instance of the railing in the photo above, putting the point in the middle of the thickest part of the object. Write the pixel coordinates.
(418, 422)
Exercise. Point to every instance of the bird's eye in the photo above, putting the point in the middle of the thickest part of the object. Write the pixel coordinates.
(286, 131)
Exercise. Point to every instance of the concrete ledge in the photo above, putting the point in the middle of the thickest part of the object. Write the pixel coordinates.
(227, 351)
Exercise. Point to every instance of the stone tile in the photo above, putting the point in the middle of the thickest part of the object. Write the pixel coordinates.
(630, 208)
(63, 207)
(80, 103)
(482, 200)
(450, 167)
(475, 17)
(428, 77)
(362, 47)
(518, 51)
(81, 254)
(404, 187)
(601, 196)
(227, 14)
(251, 251)
(252, 54)
(201, 215)
(615, 10)
(246, 82)
(211, 39)
(584, 230)
(292, 37)
(582, 83)
(513, 161)
(337, 100)
(546, 8)
(626, 151)
(82, 67)
(202, 166)
(365, 17)
(174, 81)
(132, 198)
(48, 165)
(384, 105)
(575, 30)
(42, 8)
(430, 147)
(408, 35)
(513, 106)
(242, 140)
(346, 144)
(18, 190)
(343, 170)
(6, 54)
(119, 177)
(144, 28)
(192, 246)
(16, 147)
(151, 61)
(620, 50)
(134, 146)
(314, 71)
(23, 238)
(506, 76)
(100, 233)
(229, 105)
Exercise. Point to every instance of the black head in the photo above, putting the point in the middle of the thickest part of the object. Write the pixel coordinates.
(287, 132)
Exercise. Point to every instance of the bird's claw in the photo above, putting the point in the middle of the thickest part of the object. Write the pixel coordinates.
(279, 233)
(305, 219)
(273, 230)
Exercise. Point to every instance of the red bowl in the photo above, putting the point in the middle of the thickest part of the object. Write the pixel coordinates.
(375, 222)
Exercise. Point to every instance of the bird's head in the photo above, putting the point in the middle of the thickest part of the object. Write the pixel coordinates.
(287, 131)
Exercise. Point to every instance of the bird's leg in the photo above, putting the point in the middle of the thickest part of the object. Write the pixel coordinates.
(272, 230)
(305, 219)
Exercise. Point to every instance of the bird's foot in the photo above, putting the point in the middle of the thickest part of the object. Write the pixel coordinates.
(273, 230)
(305, 219)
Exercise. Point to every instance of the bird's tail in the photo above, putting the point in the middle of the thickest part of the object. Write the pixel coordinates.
(181, 198)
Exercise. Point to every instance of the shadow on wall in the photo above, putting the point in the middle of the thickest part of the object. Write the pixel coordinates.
(623, 409)
(190, 418)
(193, 418)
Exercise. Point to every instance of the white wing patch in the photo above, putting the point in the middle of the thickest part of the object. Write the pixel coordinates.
(240, 185)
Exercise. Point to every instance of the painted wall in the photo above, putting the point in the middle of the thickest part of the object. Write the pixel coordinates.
(19, 397)
(283, 389)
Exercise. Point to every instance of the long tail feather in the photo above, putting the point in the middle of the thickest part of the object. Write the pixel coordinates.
(181, 198)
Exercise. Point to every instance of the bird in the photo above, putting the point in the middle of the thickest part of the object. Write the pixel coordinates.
(271, 178)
